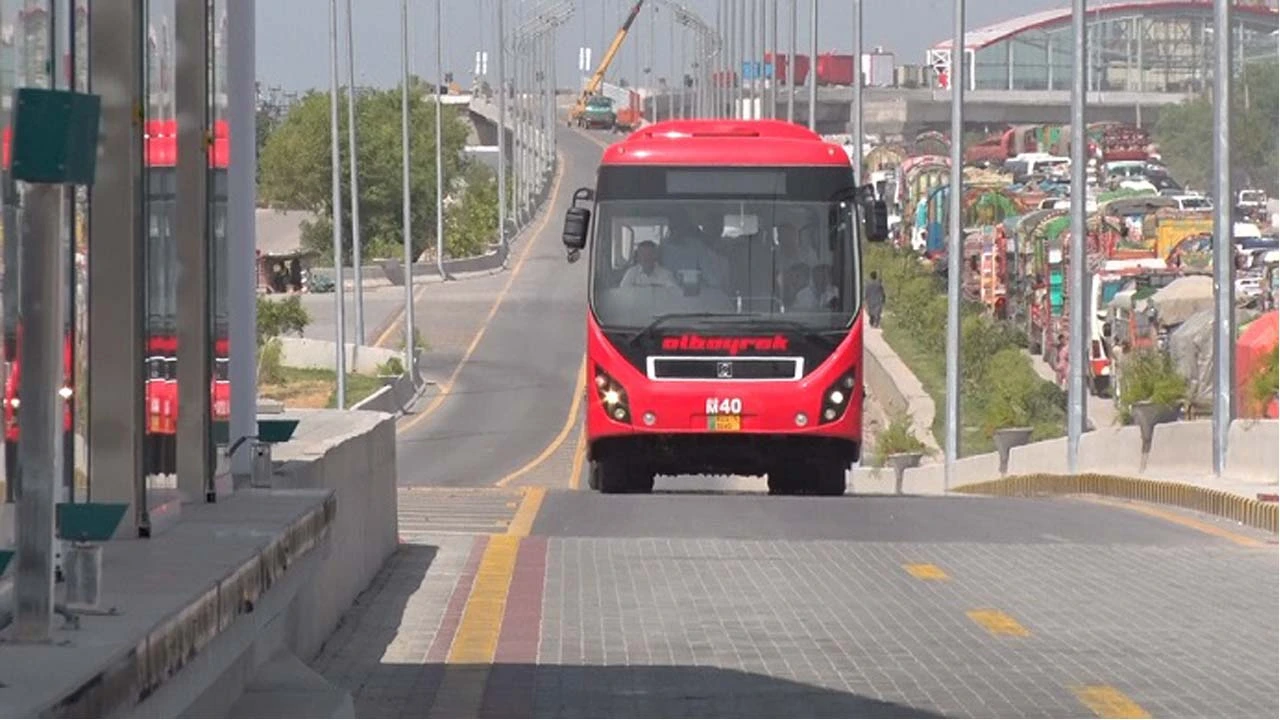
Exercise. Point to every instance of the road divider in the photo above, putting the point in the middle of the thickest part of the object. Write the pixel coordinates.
(1222, 503)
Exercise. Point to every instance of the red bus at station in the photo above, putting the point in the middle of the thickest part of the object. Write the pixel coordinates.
(724, 323)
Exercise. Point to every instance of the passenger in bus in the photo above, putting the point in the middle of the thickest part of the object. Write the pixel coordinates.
(687, 252)
(791, 283)
(792, 250)
(647, 271)
(819, 294)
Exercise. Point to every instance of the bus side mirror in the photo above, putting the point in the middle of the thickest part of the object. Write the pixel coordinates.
(878, 221)
(576, 220)
(1106, 329)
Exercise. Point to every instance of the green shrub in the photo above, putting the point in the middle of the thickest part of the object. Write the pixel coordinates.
(896, 437)
(1264, 384)
(1148, 375)
(280, 317)
(393, 366)
(271, 362)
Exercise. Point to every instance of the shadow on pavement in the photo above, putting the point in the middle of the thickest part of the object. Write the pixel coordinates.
(631, 691)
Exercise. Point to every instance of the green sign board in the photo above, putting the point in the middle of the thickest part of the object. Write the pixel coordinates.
(55, 136)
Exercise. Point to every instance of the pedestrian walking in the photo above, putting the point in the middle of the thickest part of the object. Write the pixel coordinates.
(1063, 361)
(875, 300)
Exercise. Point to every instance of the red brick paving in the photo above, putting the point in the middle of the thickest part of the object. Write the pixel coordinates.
(439, 651)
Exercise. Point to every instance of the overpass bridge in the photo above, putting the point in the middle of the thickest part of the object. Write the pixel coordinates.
(438, 555)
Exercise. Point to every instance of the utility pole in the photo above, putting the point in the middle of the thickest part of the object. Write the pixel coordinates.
(955, 246)
(355, 183)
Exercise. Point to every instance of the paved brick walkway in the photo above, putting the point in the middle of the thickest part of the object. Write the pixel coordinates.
(584, 624)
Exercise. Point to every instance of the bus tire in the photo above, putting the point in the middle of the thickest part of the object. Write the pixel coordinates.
(785, 482)
(10, 460)
(828, 478)
(619, 476)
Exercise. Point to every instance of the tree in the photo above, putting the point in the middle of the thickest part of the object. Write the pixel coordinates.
(1183, 132)
(296, 168)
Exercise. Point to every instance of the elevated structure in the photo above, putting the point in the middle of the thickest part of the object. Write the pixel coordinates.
(1134, 46)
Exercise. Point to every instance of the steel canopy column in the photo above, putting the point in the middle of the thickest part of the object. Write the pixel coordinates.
(117, 272)
(195, 462)
(241, 238)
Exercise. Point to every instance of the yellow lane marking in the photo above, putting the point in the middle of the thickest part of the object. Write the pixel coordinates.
(575, 404)
(579, 456)
(1108, 702)
(522, 524)
(447, 387)
(1183, 520)
(998, 623)
(925, 571)
(476, 642)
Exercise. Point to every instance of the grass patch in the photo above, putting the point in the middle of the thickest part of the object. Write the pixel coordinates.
(317, 389)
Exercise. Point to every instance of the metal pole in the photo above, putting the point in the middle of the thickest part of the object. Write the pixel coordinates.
(1077, 338)
(752, 57)
(439, 141)
(813, 65)
(39, 415)
(791, 67)
(761, 41)
(773, 49)
(955, 246)
(355, 185)
(335, 161)
(735, 61)
(406, 218)
(241, 230)
(855, 112)
(1223, 261)
(717, 68)
(502, 135)
(680, 68)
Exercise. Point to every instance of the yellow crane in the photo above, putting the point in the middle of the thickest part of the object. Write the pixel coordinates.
(593, 85)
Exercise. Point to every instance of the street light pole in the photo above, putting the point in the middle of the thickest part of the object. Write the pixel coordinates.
(435, 86)
(335, 161)
(355, 184)
(955, 246)
(405, 197)
(855, 111)
(791, 67)
(813, 65)
(1223, 260)
(1076, 263)
(502, 134)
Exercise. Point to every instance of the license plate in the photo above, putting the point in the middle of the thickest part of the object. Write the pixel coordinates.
(724, 423)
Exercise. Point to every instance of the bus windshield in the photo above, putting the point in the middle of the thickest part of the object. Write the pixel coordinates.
(795, 262)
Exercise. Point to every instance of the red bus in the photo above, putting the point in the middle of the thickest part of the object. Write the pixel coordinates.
(161, 298)
(724, 324)
(161, 356)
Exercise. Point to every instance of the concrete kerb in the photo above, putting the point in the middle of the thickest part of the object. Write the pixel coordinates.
(1222, 503)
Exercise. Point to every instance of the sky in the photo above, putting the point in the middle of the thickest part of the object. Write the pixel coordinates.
(293, 35)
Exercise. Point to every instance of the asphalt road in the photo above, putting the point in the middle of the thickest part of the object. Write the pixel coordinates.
(533, 598)
(502, 404)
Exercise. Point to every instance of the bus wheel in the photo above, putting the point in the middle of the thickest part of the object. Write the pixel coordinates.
(828, 478)
(619, 476)
(785, 482)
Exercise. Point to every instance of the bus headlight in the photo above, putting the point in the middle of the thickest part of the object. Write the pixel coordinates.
(612, 396)
(835, 400)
